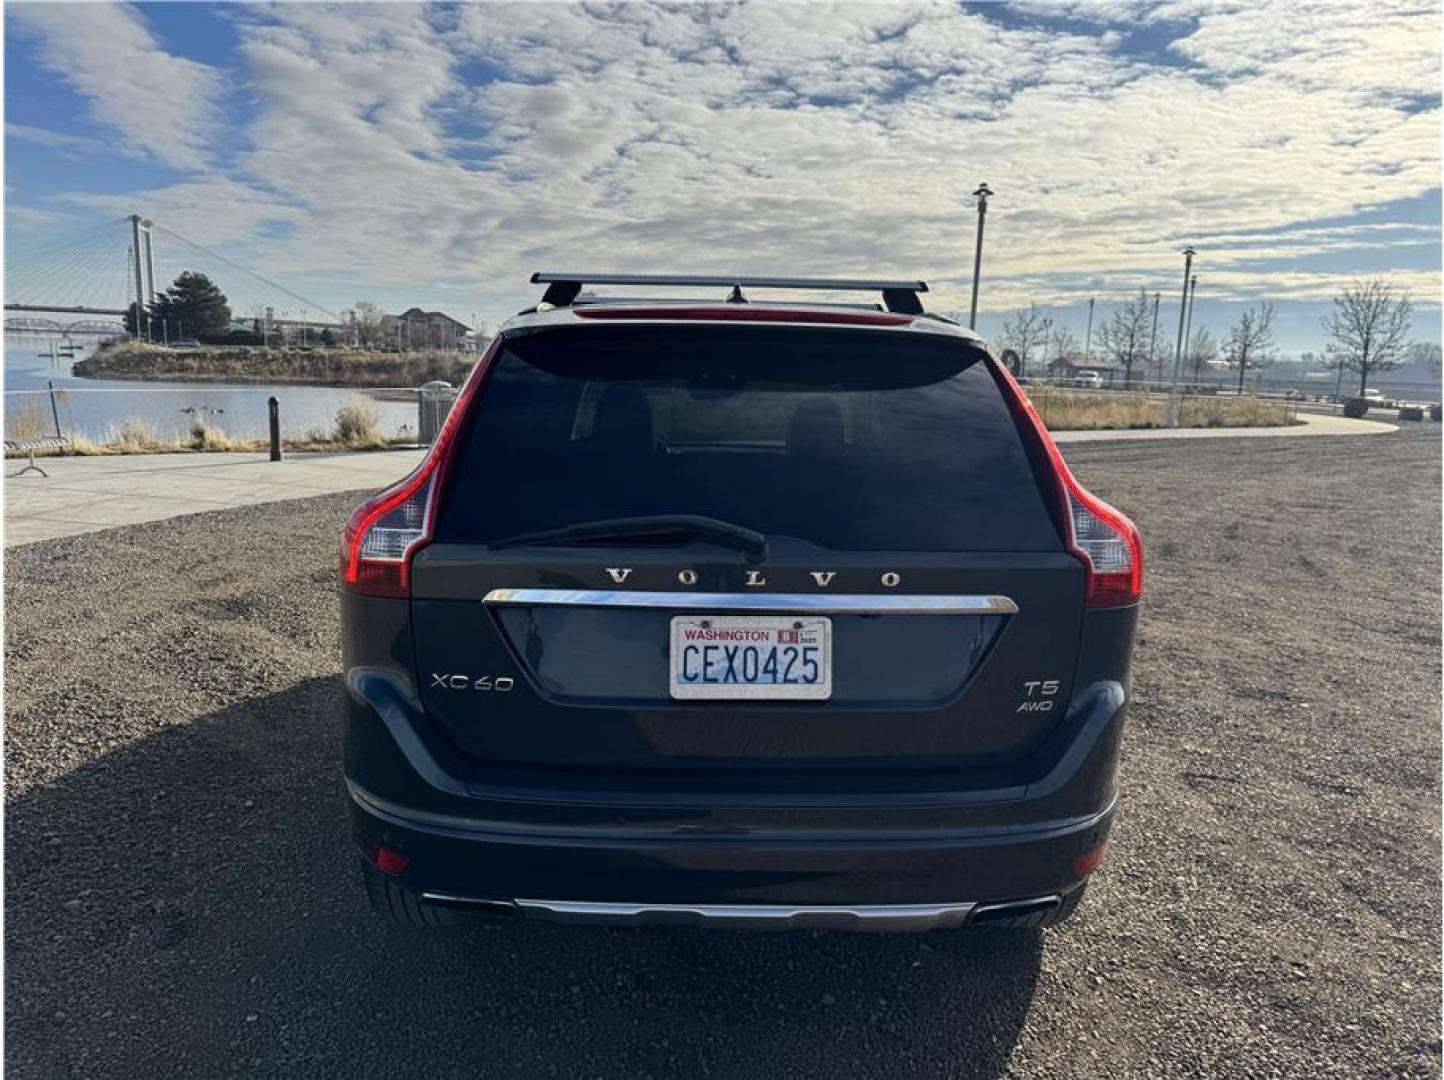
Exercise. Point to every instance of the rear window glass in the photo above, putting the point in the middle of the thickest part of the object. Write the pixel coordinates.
(848, 440)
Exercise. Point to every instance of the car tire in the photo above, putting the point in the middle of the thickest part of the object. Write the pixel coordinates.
(400, 906)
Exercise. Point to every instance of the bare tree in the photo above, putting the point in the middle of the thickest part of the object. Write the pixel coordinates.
(369, 321)
(1368, 329)
(1125, 338)
(1251, 341)
(1426, 354)
(1061, 345)
(1026, 333)
(1200, 350)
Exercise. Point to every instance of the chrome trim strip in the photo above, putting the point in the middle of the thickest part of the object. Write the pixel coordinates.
(470, 901)
(844, 603)
(753, 916)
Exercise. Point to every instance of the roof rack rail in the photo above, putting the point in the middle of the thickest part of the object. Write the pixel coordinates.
(900, 296)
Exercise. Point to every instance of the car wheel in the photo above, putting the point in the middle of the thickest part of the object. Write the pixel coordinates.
(401, 906)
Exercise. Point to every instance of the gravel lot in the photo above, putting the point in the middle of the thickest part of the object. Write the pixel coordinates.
(181, 892)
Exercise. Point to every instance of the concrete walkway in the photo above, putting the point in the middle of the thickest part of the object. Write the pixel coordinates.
(83, 494)
(1313, 424)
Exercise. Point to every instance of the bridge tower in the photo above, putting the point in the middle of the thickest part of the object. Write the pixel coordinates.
(144, 265)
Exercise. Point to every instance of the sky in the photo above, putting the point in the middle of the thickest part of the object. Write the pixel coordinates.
(436, 155)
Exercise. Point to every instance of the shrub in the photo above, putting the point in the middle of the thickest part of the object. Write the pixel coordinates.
(1355, 407)
(28, 420)
(134, 434)
(206, 436)
(358, 423)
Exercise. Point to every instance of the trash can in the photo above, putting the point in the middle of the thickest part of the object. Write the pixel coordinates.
(434, 404)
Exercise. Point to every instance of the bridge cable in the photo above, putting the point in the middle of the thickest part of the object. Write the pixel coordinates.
(310, 304)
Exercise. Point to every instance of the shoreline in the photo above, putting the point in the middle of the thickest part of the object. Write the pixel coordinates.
(347, 369)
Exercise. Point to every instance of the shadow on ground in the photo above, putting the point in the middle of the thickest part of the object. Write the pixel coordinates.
(191, 903)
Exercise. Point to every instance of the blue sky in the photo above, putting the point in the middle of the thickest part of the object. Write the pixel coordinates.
(435, 155)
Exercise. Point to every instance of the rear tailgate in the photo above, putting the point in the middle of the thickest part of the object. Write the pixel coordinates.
(591, 676)
(886, 471)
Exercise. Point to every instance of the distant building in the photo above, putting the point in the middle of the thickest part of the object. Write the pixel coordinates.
(417, 329)
(1066, 367)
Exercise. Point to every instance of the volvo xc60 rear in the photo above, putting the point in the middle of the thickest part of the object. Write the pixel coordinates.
(736, 614)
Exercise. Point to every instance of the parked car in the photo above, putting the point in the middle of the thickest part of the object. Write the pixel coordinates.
(1373, 396)
(736, 614)
(1086, 379)
(185, 343)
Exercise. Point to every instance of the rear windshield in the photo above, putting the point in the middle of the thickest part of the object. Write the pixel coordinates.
(848, 440)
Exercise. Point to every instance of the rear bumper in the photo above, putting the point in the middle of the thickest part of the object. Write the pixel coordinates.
(819, 861)
(895, 883)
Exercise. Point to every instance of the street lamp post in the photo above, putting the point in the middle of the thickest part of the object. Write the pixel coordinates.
(1153, 337)
(981, 195)
(1188, 319)
(1088, 335)
(1171, 417)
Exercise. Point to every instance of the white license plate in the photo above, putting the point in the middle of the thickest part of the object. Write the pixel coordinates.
(751, 657)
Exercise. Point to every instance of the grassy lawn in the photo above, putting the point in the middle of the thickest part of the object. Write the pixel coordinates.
(1071, 410)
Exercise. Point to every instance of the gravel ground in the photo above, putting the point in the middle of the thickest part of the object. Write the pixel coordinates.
(181, 892)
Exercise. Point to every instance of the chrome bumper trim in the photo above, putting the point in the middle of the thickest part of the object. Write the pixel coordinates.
(842, 603)
(883, 917)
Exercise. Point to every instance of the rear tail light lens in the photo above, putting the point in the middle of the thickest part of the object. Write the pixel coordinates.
(381, 535)
(1101, 538)
(1109, 544)
(390, 527)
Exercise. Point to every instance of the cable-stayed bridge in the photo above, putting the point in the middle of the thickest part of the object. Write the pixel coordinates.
(86, 283)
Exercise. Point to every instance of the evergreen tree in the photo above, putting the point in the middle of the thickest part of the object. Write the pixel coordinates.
(193, 306)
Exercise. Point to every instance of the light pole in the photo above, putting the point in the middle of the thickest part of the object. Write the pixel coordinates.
(1188, 319)
(982, 196)
(1153, 337)
(1171, 416)
(1088, 335)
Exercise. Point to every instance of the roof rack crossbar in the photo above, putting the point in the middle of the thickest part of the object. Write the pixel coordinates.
(900, 296)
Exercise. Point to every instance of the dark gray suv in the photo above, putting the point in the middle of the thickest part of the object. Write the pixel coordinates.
(736, 613)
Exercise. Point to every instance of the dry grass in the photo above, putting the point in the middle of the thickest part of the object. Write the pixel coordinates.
(358, 423)
(30, 419)
(324, 367)
(1065, 410)
(207, 436)
(133, 436)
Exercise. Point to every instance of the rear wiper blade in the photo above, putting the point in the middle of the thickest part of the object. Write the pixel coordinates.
(753, 543)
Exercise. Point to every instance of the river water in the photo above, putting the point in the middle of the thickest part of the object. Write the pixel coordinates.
(93, 408)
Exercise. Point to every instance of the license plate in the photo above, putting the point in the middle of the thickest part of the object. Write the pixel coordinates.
(751, 657)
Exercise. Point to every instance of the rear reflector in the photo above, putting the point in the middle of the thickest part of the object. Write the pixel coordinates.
(1085, 864)
(1101, 538)
(745, 313)
(389, 862)
(391, 526)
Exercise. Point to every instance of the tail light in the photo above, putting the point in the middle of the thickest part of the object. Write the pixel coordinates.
(390, 527)
(1100, 537)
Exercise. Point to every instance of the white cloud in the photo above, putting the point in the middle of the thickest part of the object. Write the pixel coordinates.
(161, 102)
(452, 151)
